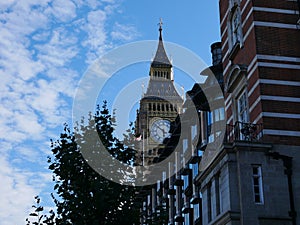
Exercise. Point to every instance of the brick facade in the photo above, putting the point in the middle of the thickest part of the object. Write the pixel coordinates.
(271, 53)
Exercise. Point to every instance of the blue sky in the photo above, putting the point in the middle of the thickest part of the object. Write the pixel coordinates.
(45, 48)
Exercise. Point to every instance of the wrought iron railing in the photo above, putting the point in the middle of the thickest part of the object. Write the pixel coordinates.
(244, 132)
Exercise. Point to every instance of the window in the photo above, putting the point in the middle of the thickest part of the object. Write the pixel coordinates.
(194, 132)
(217, 193)
(196, 211)
(257, 184)
(185, 181)
(164, 176)
(219, 114)
(242, 115)
(184, 145)
(242, 107)
(195, 169)
(187, 219)
(209, 215)
(209, 124)
(235, 27)
(235, 23)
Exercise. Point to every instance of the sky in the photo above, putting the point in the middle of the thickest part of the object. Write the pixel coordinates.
(46, 46)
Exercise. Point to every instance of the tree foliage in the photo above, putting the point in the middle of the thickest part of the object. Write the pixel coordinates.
(82, 196)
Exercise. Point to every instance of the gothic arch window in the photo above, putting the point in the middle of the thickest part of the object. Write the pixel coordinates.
(234, 24)
(149, 106)
(163, 107)
(154, 107)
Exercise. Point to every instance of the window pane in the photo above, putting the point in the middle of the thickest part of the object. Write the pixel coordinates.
(255, 170)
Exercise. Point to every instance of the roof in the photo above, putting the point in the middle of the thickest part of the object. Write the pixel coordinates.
(161, 59)
(162, 89)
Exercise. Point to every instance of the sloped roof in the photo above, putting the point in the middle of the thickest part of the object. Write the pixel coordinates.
(161, 59)
(162, 89)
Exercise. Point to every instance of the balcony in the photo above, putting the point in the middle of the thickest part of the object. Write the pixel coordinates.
(247, 132)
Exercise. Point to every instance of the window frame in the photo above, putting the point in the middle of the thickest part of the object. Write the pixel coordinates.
(242, 109)
(258, 186)
(234, 24)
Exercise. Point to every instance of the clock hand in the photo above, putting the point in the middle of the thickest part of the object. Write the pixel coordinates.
(162, 129)
(157, 126)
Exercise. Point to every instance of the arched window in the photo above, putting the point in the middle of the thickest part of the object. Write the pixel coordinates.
(234, 23)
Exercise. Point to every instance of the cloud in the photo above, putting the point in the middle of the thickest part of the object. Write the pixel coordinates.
(63, 10)
(17, 192)
(45, 45)
(122, 32)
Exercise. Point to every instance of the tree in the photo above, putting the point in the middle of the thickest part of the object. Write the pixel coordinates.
(82, 195)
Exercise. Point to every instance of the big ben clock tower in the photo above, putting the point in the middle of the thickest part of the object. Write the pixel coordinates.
(159, 106)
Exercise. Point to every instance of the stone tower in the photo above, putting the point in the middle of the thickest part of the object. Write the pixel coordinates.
(159, 106)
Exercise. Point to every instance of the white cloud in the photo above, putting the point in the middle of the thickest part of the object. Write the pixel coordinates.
(44, 46)
(63, 10)
(17, 191)
(122, 32)
(94, 27)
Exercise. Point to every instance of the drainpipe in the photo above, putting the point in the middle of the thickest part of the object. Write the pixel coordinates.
(288, 164)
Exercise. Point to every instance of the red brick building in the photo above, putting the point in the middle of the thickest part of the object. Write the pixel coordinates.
(261, 60)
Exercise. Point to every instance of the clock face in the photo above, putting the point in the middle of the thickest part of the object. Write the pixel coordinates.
(160, 130)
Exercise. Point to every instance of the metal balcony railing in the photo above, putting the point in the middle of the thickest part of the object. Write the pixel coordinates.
(244, 132)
